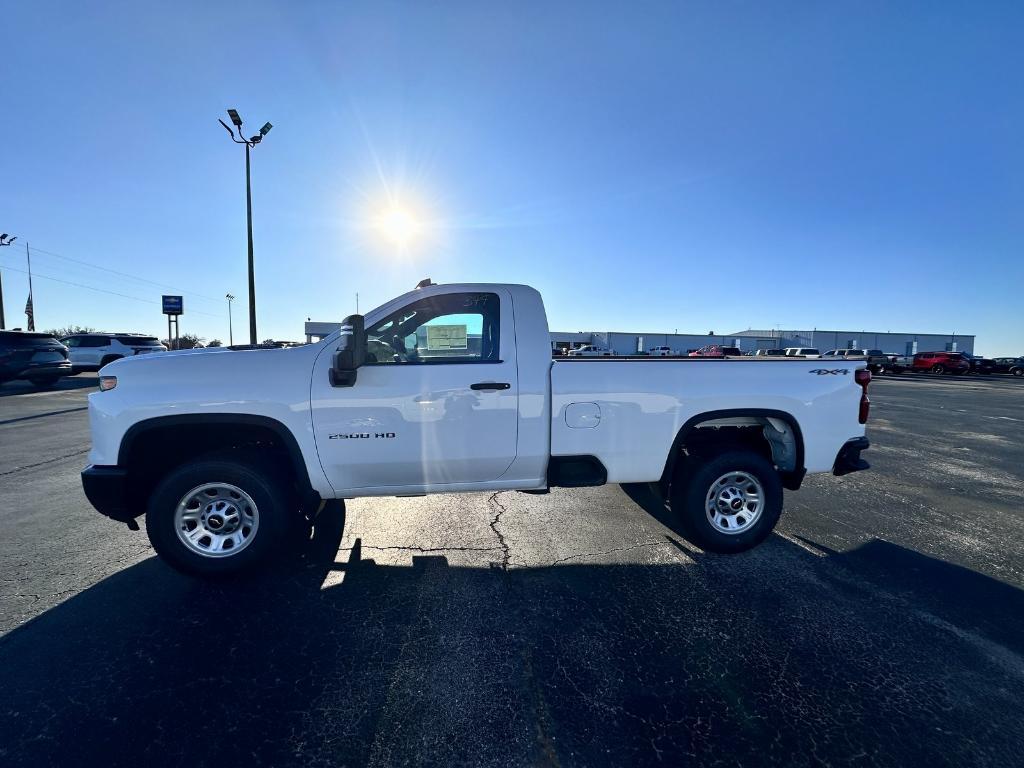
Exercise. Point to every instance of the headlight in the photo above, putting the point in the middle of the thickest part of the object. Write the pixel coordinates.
(107, 383)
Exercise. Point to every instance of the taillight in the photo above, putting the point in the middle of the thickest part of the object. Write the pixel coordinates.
(863, 377)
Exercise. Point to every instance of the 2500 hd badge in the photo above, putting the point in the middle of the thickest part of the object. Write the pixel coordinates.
(361, 436)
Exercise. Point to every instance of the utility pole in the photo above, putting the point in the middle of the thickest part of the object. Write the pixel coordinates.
(357, 302)
(4, 240)
(231, 333)
(251, 142)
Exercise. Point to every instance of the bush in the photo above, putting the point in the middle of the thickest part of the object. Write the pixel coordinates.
(185, 341)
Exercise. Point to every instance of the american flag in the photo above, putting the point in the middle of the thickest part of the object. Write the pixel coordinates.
(30, 314)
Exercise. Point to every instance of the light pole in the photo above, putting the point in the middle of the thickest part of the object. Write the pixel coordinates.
(231, 334)
(4, 240)
(251, 142)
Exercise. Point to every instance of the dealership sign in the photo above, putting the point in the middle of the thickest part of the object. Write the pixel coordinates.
(173, 305)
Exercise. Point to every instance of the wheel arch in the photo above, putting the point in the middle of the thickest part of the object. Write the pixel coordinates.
(249, 427)
(791, 479)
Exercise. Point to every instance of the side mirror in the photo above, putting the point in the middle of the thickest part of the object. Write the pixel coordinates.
(351, 352)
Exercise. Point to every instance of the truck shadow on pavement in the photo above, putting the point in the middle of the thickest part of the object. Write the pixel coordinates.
(880, 656)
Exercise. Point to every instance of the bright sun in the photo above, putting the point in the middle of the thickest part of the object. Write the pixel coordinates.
(399, 225)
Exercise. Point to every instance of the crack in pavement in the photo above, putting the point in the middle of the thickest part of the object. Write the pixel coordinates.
(506, 553)
(43, 415)
(424, 549)
(610, 551)
(43, 462)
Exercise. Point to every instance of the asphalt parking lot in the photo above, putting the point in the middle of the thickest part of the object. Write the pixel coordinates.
(883, 624)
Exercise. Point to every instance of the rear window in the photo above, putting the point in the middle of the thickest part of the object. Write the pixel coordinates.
(19, 338)
(139, 341)
(731, 351)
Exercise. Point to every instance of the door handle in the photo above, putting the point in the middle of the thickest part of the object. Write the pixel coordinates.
(490, 385)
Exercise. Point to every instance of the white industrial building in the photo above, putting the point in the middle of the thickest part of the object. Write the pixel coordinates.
(750, 340)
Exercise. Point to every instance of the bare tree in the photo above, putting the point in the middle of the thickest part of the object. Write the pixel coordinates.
(71, 330)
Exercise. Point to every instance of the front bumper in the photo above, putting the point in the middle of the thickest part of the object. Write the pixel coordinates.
(107, 490)
(848, 459)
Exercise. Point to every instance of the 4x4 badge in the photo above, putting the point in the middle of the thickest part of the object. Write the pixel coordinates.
(833, 371)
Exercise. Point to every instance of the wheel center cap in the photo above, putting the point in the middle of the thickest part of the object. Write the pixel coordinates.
(216, 522)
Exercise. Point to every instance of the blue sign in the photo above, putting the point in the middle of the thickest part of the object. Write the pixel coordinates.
(173, 305)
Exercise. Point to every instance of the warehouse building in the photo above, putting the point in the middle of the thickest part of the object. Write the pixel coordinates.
(751, 340)
(747, 341)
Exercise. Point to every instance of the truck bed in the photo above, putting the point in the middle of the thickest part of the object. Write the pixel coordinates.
(628, 420)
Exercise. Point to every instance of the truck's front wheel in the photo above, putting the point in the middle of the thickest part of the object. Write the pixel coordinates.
(729, 503)
(219, 515)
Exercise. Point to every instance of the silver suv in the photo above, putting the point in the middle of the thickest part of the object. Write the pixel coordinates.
(91, 351)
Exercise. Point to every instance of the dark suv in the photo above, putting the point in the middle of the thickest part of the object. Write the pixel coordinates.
(38, 357)
(1014, 365)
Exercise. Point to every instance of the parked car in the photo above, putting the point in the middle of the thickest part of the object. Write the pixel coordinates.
(91, 351)
(802, 352)
(877, 361)
(981, 364)
(769, 353)
(37, 357)
(1014, 365)
(231, 454)
(940, 362)
(716, 350)
(662, 352)
(590, 350)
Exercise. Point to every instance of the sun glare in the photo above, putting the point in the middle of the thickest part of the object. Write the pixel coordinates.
(399, 225)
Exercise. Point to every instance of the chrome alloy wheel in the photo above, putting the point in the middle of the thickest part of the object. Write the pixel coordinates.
(734, 502)
(216, 520)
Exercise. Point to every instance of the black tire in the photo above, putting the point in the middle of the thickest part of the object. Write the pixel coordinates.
(1018, 372)
(277, 513)
(692, 485)
(109, 359)
(938, 369)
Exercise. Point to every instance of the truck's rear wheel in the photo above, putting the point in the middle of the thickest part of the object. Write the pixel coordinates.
(220, 515)
(727, 504)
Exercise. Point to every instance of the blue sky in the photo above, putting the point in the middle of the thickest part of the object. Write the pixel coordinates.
(700, 166)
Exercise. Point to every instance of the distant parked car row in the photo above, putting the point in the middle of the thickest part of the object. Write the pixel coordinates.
(43, 360)
(877, 361)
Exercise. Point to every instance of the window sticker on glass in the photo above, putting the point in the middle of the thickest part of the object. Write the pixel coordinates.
(445, 337)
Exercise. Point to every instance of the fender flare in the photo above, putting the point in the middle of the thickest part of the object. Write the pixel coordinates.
(282, 432)
(790, 480)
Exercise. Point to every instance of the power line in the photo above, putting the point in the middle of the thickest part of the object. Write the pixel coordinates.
(103, 290)
(124, 274)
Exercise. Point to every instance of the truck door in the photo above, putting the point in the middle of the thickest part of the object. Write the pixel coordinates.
(435, 404)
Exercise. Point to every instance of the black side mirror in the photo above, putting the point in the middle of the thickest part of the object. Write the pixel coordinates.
(351, 352)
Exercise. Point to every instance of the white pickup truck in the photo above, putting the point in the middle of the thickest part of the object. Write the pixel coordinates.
(451, 388)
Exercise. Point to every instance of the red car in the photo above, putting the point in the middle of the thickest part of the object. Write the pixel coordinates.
(941, 362)
(715, 350)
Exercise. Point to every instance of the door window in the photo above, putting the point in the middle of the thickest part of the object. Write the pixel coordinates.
(451, 328)
(95, 341)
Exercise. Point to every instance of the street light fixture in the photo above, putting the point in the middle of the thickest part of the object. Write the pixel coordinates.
(249, 143)
(231, 334)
